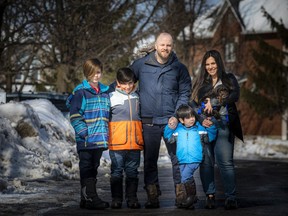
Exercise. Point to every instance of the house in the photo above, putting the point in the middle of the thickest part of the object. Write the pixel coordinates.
(233, 27)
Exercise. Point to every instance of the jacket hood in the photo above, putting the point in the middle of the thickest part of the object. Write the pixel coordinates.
(85, 85)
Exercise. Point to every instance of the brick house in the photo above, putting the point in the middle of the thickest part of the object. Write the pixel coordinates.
(233, 27)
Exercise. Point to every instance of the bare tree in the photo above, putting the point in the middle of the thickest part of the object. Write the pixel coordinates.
(16, 43)
(54, 37)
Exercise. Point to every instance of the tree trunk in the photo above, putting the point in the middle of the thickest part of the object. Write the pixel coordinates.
(62, 78)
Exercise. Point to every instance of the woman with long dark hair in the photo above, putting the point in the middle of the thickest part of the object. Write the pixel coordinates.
(211, 75)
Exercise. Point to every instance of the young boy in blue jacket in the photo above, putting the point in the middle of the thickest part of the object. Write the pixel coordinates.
(89, 106)
(189, 151)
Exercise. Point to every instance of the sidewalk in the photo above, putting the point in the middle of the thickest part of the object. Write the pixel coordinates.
(262, 191)
(262, 188)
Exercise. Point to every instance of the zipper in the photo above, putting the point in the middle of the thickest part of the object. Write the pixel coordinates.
(130, 112)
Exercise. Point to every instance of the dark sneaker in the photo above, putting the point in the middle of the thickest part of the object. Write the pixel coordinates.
(134, 205)
(82, 203)
(210, 201)
(231, 204)
(116, 204)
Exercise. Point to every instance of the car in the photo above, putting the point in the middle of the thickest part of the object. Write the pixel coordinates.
(57, 99)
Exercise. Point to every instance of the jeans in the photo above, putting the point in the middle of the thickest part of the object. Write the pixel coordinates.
(152, 138)
(220, 151)
(187, 171)
(89, 161)
(125, 160)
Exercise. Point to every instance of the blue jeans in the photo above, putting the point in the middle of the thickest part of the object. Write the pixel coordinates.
(152, 135)
(220, 151)
(125, 160)
(187, 171)
(89, 161)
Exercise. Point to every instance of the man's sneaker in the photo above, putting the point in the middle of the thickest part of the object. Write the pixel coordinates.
(210, 201)
(231, 204)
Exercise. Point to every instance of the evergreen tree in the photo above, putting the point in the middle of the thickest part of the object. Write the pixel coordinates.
(269, 76)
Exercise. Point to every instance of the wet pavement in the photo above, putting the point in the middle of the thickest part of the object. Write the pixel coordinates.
(262, 191)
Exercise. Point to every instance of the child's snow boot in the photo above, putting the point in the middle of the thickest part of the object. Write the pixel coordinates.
(90, 199)
(116, 184)
(131, 187)
(180, 195)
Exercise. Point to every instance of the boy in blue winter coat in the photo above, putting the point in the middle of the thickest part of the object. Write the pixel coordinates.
(189, 152)
(89, 106)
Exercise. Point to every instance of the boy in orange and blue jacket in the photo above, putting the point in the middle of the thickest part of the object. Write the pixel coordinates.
(125, 139)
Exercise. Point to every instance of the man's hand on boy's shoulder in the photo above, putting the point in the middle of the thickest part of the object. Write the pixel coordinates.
(172, 123)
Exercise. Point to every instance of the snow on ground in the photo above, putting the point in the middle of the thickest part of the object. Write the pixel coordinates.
(261, 148)
(37, 142)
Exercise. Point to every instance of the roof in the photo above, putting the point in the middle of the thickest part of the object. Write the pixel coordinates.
(247, 12)
(253, 18)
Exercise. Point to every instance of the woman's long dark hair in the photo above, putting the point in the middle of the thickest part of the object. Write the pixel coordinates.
(203, 77)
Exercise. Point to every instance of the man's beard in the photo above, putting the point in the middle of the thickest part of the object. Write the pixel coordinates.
(164, 57)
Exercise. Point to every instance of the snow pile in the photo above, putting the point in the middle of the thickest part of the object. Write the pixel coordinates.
(36, 141)
(261, 147)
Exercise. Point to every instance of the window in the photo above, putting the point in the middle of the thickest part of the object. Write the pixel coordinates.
(230, 55)
(19, 77)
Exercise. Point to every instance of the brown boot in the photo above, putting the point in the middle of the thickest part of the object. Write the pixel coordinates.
(190, 188)
(180, 195)
(152, 193)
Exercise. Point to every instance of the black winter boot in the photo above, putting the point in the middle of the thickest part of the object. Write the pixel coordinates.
(231, 203)
(82, 200)
(190, 188)
(180, 195)
(116, 192)
(89, 196)
(131, 187)
(152, 193)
